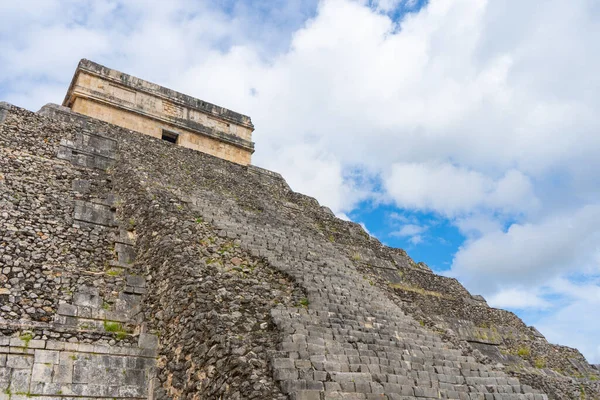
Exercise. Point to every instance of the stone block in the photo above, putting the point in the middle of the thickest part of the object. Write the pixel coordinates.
(351, 377)
(134, 377)
(306, 395)
(102, 349)
(86, 348)
(16, 341)
(63, 373)
(93, 213)
(19, 361)
(50, 388)
(148, 341)
(292, 386)
(283, 363)
(84, 312)
(19, 380)
(136, 281)
(91, 390)
(93, 142)
(132, 391)
(42, 372)
(87, 300)
(113, 391)
(363, 387)
(37, 344)
(70, 347)
(314, 385)
(82, 373)
(115, 361)
(320, 376)
(284, 374)
(126, 254)
(4, 374)
(147, 353)
(46, 356)
(426, 392)
(20, 350)
(68, 151)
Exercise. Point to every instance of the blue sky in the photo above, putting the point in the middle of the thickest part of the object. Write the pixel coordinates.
(425, 236)
(464, 131)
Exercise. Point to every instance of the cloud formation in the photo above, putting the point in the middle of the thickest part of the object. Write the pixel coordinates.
(454, 191)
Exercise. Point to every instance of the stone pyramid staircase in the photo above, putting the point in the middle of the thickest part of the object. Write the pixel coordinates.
(347, 340)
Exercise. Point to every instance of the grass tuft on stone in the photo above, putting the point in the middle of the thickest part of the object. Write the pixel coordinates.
(523, 351)
(26, 337)
(112, 326)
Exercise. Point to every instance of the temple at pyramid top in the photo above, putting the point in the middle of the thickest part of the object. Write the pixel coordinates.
(112, 96)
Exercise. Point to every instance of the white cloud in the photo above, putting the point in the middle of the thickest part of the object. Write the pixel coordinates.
(575, 325)
(453, 190)
(476, 224)
(409, 230)
(518, 298)
(413, 232)
(531, 253)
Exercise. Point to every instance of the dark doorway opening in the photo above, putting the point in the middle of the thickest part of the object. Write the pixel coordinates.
(170, 136)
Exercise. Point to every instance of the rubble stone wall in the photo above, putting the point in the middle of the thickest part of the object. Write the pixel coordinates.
(69, 316)
(345, 339)
(259, 292)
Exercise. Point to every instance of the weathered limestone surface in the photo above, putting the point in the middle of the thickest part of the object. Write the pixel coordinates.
(70, 322)
(255, 291)
(133, 103)
(50, 369)
(349, 338)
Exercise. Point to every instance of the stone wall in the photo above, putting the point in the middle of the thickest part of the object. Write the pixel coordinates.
(48, 369)
(68, 320)
(45, 254)
(259, 292)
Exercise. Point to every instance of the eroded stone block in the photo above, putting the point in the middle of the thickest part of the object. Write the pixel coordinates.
(42, 372)
(67, 309)
(93, 213)
(148, 341)
(19, 380)
(46, 356)
(63, 374)
(18, 361)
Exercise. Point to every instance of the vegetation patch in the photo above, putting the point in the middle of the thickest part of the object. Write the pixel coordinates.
(540, 362)
(303, 302)
(114, 272)
(112, 326)
(26, 338)
(523, 351)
